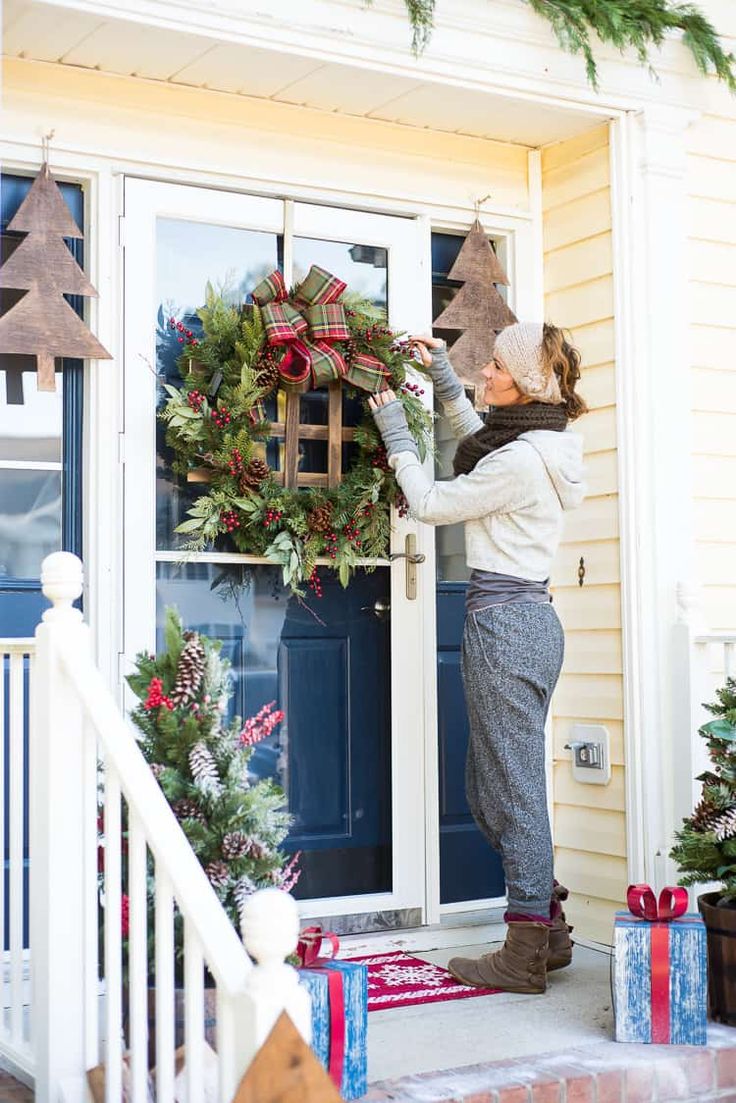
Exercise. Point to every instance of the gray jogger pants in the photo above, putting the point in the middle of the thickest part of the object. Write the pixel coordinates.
(511, 660)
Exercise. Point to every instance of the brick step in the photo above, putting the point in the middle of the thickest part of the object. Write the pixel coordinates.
(605, 1072)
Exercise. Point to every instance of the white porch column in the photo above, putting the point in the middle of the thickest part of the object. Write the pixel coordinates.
(62, 766)
(657, 532)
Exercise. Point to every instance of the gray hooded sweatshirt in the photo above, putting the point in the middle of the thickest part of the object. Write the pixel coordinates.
(512, 501)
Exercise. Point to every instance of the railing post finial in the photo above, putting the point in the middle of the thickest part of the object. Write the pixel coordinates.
(62, 581)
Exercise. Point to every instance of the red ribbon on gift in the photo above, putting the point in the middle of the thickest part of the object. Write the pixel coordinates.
(308, 951)
(672, 903)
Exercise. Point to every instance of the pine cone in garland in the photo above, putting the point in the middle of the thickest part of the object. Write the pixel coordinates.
(204, 770)
(243, 889)
(157, 769)
(218, 874)
(255, 850)
(704, 815)
(189, 671)
(725, 826)
(254, 474)
(319, 519)
(234, 845)
(186, 809)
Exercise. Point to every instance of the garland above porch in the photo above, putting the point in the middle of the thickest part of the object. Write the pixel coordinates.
(314, 336)
(625, 24)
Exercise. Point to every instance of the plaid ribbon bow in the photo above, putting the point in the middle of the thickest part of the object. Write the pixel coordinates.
(308, 326)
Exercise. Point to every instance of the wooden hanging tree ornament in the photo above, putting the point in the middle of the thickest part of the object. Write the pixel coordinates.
(42, 324)
(477, 309)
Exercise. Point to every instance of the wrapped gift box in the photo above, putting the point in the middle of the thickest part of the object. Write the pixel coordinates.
(660, 980)
(354, 1080)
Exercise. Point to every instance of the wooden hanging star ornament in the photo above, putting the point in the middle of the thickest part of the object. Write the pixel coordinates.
(42, 324)
(477, 308)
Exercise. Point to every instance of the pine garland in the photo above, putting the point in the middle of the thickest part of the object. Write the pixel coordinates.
(626, 24)
(705, 845)
(235, 823)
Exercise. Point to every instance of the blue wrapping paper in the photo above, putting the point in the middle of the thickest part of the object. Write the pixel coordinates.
(687, 984)
(355, 988)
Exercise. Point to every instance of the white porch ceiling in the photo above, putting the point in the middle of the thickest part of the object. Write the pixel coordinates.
(66, 36)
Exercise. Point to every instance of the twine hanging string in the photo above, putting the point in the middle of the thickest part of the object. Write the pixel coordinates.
(46, 146)
(478, 204)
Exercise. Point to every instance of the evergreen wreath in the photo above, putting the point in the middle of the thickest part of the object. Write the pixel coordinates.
(234, 823)
(216, 421)
(705, 847)
(625, 24)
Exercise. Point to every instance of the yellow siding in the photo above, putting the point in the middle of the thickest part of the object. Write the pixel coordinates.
(589, 820)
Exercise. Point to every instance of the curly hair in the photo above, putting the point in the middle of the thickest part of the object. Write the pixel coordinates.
(564, 359)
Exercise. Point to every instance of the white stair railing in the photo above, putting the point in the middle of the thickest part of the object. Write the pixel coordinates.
(16, 662)
(83, 751)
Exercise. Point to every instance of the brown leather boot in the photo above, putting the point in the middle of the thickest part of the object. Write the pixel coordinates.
(560, 943)
(519, 966)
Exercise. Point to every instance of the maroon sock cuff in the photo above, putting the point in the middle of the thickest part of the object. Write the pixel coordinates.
(527, 917)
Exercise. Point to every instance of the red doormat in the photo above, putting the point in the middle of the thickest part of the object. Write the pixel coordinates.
(398, 980)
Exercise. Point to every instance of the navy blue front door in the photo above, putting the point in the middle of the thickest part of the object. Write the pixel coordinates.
(469, 869)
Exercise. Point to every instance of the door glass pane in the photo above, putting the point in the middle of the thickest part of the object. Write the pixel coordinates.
(331, 676)
(30, 520)
(188, 255)
(364, 268)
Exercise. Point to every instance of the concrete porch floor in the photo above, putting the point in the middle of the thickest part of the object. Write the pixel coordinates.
(575, 1010)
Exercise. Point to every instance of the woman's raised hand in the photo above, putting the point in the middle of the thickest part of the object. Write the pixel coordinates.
(376, 401)
(423, 344)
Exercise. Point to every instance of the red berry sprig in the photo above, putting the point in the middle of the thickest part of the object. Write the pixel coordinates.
(353, 534)
(235, 463)
(156, 698)
(229, 519)
(195, 400)
(273, 516)
(314, 583)
(185, 335)
(380, 458)
(331, 545)
(221, 417)
(402, 506)
(413, 388)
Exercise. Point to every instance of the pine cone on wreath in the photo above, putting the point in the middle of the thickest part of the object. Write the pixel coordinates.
(186, 809)
(204, 769)
(254, 474)
(234, 845)
(319, 519)
(218, 874)
(189, 671)
(267, 370)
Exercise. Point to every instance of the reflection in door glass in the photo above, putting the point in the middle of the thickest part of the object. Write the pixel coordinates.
(331, 676)
(188, 256)
(364, 268)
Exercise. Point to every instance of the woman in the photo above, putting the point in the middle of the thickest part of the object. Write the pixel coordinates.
(515, 474)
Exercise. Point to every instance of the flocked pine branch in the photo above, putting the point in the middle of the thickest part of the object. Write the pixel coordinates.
(640, 25)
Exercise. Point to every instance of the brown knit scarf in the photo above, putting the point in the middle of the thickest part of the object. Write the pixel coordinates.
(504, 424)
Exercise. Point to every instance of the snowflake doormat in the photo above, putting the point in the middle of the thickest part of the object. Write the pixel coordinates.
(398, 980)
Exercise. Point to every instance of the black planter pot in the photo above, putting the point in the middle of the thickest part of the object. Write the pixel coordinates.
(720, 923)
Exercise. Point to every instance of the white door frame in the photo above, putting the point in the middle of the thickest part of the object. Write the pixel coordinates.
(145, 201)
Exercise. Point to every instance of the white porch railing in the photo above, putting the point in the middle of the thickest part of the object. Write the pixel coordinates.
(16, 662)
(85, 1008)
(704, 661)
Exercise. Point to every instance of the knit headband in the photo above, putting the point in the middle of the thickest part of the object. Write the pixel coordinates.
(519, 349)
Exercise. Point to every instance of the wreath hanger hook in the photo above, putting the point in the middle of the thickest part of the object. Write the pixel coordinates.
(478, 204)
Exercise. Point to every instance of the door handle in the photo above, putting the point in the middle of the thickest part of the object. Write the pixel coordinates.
(380, 609)
(412, 557)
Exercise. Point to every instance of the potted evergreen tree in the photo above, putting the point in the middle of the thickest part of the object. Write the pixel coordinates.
(234, 822)
(705, 851)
